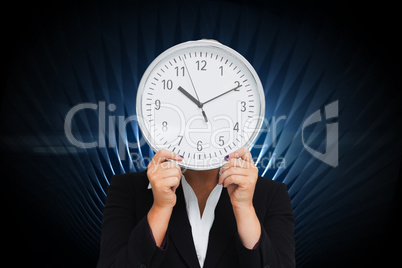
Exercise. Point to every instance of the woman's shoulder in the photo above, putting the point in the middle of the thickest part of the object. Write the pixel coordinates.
(269, 184)
(131, 180)
(269, 190)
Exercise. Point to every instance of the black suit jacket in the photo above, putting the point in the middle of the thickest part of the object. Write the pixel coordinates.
(127, 242)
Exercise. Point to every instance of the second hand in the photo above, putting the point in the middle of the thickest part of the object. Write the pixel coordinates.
(191, 80)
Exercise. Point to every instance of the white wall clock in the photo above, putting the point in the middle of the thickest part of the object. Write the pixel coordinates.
(202, 100)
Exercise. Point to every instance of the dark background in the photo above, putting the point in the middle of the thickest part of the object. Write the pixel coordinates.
(307, 54)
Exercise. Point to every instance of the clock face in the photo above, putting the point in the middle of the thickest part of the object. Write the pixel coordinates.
(202, 100)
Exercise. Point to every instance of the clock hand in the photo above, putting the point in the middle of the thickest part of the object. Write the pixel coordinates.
(233, 89)
(188, 95)
(203, 114)
(191, 80)
(199, 103)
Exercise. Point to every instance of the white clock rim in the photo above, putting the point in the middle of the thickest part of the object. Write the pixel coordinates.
(181, 46)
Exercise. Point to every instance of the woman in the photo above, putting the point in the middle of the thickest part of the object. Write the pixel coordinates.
(228, 217)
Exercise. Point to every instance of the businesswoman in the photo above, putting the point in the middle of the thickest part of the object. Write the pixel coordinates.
(166, 217)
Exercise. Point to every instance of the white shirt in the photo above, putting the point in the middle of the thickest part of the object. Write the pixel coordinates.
(200, 226)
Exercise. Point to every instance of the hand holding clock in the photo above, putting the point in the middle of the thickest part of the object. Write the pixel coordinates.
(164, 177)
(240, 176)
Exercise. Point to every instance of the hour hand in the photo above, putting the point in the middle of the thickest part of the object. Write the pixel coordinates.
(188, 95)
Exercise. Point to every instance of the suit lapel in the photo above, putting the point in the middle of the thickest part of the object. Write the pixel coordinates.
(222, 230)
(180, 231)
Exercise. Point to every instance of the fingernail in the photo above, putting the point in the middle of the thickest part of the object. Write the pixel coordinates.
(181, 156)
(227, 157)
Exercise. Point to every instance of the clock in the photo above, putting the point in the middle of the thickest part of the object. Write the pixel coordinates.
(201, 100)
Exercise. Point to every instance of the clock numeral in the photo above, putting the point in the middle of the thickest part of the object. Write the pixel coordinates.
(221, 68)
(221, 141)
(179, 72)
(236, 127)
(167, 84)
(199, 145)
(157, 104)
(181, 138)
(201, 64)
(164, 126)
(243, 106)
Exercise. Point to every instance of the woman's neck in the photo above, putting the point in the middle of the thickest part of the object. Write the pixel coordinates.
(202, 183)
(202, 179)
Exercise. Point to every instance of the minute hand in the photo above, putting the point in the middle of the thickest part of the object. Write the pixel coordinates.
(233, 89)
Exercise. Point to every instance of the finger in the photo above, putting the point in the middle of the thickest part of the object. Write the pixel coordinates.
(165, 183)
(163, 155)
(172, 182)
(161, 169)
(174, 187)
(233, 171)
(234, 179)
(172, 172)
(238, 163)
(169, 165)
(242, 153)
